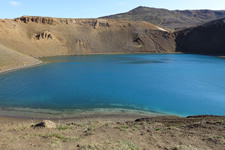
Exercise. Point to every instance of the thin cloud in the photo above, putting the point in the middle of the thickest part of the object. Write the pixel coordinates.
(14, 3)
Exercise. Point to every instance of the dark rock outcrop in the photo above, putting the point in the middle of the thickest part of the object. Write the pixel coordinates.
(43, 35)
(42, 20)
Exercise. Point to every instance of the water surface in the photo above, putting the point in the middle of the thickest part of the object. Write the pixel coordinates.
(180, 84)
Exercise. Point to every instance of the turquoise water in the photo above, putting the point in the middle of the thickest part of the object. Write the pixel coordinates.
(180, 84)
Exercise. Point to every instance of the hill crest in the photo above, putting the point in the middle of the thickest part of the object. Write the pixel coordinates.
(173, 19)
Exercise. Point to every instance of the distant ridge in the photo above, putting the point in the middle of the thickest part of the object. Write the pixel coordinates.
(175, 19)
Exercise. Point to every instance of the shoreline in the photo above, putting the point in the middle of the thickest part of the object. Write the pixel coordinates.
(77, 114)
(97, 114)
(111, 114)
(22, 67)
(86, 118)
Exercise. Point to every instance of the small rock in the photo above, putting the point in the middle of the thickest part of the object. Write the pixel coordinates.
(46, 124)
(70, 124)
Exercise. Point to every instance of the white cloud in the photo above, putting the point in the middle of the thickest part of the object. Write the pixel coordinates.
(14, 3)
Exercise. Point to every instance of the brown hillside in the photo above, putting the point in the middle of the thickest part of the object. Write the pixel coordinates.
(42, 36)
(11, 59)
(204, 39)
(172, 19)
(39, 36)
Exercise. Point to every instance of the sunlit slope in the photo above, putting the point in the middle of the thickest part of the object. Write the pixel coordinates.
(10, 59)
(38, 36)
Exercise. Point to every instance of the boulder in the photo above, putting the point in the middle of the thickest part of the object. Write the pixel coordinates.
(46, 124)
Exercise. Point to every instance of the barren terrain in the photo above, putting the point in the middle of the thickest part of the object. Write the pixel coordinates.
(158, 133)
(33, 37)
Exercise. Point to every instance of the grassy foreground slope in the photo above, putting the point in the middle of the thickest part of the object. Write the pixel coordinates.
(153, 133)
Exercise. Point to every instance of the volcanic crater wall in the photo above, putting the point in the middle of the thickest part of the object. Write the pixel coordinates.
(207, 38)
(40, 36)
(34, 37)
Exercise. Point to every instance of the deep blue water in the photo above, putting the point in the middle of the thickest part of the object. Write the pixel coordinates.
(181, 84)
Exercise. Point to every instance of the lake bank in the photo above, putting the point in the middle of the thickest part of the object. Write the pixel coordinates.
(162, 132)
(11, 69)
(78, 114)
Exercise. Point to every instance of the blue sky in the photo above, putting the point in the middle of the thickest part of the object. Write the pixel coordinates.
(95, 8)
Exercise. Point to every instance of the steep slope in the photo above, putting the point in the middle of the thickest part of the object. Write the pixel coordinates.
(43, 36)
(10, 59)
(169, 19)
(204, 39)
